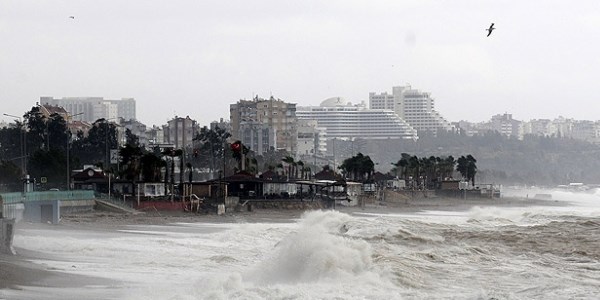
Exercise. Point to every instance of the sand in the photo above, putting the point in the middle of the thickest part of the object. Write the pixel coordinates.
(18, 271)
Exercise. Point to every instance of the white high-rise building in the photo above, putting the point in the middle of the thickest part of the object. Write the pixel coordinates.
(341, 120)
(90, 109)
(413, 106)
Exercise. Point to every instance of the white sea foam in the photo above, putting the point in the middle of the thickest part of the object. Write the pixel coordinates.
(316, 251)
(483, 253)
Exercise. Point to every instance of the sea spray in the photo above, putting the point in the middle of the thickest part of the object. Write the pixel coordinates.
(317, 250)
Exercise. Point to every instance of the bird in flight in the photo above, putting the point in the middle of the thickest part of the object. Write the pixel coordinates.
(72, 17)
(490, 29)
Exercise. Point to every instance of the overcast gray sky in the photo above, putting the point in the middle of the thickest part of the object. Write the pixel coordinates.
(195, 58)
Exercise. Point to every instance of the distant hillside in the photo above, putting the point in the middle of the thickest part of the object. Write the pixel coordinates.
(534, 160)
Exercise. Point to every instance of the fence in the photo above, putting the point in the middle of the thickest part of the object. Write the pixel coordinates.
(47, 195)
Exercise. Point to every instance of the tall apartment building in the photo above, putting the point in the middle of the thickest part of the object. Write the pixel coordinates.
(415, 107)
(155, 136)
(264, 123)
(180, 132)
(137, 128)
(222, 124)
(507, 126)
(311, 138)
(90, 109)
(341, 120)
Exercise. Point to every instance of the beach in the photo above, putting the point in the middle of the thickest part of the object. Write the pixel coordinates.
(27, 269)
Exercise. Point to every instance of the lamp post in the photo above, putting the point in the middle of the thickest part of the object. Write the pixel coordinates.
(23, 142)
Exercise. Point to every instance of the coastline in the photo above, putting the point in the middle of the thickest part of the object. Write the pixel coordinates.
(18, 271)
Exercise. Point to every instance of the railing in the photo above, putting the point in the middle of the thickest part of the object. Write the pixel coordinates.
(115, 201)
(12, 197)
(47, 195)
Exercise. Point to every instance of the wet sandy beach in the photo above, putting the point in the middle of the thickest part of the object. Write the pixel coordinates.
(22, 270)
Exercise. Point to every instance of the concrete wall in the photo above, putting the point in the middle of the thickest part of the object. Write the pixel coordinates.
(231, 202)
(286, 204)
(404, 196)
(42, 211)
(14, 211)
(7, 230)
(74, 206)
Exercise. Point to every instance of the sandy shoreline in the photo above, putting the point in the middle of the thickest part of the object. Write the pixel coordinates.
(104, 219)
(19, 270)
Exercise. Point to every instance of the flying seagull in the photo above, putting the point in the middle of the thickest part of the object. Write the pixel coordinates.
(490, 29)
(72, 17)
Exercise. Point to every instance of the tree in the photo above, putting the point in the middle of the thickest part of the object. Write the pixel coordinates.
(289, 161)
(461, 166)
(239, 152)
(209, 152)
(11, 143)
(131, 162)
(414, 165)
(190, 170)
(300, 165)
(10, 176)
(467, 168)
(471, 168)
(151, 167)
(131, 139)
(358, 167)
(172, 153)
(95, 148)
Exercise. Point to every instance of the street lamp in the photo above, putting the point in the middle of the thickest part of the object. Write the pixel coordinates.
(23, 142)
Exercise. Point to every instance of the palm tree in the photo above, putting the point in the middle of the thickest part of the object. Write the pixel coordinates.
(471, 168)
(414, 164)
(190, 170)
(448, 164)
(404, 162)
(357, 167)
(289, 161)
(300, 164)
(467, 168)
(308, 172)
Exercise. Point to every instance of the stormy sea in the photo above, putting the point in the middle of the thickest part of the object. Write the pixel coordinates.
(482, 252)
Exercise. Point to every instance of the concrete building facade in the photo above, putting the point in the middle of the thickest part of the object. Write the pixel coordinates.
(413, 106)
(90, 109)
(180, 132)
(264, 123)
(137, 128)
(507, 126)
(311, 138)
(345, 121)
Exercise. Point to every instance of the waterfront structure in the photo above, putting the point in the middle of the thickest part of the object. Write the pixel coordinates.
(261, 124)
(413, 106)
(180, 132)
(345, 121)
(90, 109)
